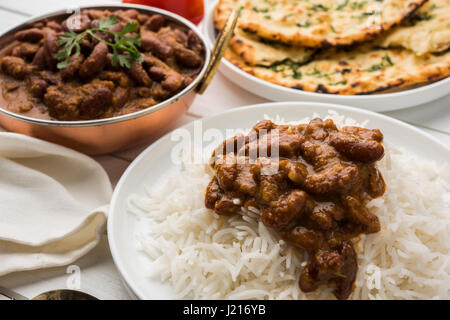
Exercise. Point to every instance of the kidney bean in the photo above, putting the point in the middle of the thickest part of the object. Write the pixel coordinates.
(15, 67)
(226, 206)
(183, 56)
(155, 22)
(286, 210)
(72, 67)
(182, 37)
(118, 27)
(86, 46)
(95, 103)
(194, 42)
(374, 134)
(212, 194)
(142, 19)
(109, 63)
(55, 26)
(50, 77)
(25, 50)
(187, 57)
(29, 35)
(187, 81)
(39, 25)
(157, 73)
(173, 82)
(358, 213)
(138, 74)
(158, 92)
(51, 47)
(121, 96)
(377, 186)
(344, 285)
(304, 238)
(94, 24)
(95, 62)
(363, 150)
(131, 14)
(94, 14)
(334, 178)
(150, 42)
(296, 171)
(324, 265)
(38, 87)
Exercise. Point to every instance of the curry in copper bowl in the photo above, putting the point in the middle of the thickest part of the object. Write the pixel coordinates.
(100, 64)
(104, 79)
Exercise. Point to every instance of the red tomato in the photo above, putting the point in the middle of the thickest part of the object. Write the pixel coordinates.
(190, 9)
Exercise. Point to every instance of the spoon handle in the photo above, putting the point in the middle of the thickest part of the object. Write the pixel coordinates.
(11, 294)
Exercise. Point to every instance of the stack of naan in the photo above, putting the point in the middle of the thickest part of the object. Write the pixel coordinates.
(340, 46)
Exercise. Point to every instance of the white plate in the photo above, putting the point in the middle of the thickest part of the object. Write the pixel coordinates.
(155, 161)
(376, 102)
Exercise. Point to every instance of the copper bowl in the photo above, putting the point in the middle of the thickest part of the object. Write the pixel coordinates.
(110, 134)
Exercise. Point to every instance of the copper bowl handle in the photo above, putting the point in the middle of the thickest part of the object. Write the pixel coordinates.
(218, 51)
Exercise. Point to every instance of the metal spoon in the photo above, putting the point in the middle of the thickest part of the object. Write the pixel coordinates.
(62, 294)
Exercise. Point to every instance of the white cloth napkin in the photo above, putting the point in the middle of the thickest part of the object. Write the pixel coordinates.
(53, 203)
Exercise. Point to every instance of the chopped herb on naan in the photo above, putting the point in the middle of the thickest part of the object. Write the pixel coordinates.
(317, 23)
(362, 70)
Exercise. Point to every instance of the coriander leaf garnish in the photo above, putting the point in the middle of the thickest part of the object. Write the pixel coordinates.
(342, 5)
(385, 62)
(315, 72)
(109, 23)
(278, 68)
(342, 82)
(318, 74)
(358, 5)
(318, 7)
(367, 14)
(287, 65)
(240, 11)
(263, 10)
(296, 74)
(124, 45)
(421, 17)
(307, 24)
(288, 15)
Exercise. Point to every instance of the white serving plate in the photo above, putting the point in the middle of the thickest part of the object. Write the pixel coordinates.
(152, 163)
(376, 102)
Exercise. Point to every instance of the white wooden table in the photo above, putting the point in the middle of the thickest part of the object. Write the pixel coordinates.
(98, 273)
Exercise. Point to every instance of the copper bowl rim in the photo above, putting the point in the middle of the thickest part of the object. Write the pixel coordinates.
(125, 117)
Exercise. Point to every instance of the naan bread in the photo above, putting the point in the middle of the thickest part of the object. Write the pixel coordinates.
(255, 52)
(427, 30)
(316, 23)
(362, 70)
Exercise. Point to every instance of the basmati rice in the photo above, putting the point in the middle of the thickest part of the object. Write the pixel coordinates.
(206, 256)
